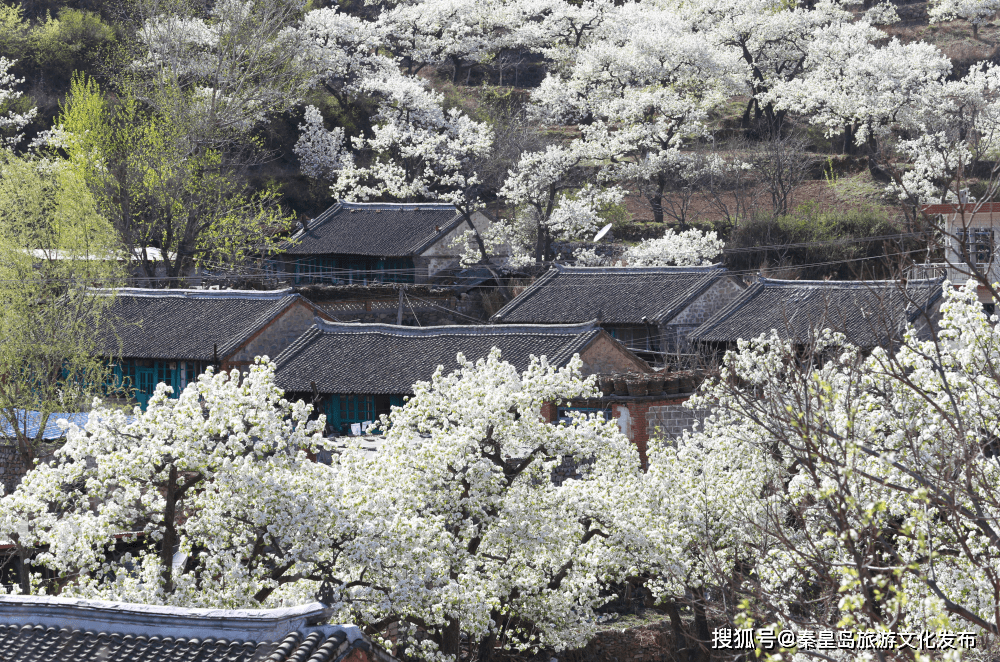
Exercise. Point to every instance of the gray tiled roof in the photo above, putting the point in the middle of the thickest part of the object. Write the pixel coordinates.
(622, 295)
(386, 359)
(39, 629)
(867, 312)
(374, 229)
(187, 324)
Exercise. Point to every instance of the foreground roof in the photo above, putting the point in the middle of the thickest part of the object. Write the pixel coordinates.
(187, 324)
(40, 629)
(867, 312)
(616, 295)
(387, 359)
(374, 229)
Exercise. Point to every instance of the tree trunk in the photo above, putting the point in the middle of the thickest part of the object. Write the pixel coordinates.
(479, 240)
(25, 447)
(485, 653)
(657, 205)
(541, 245)
(451, 638)
(700, 652)
(23, 575)
(169, 532)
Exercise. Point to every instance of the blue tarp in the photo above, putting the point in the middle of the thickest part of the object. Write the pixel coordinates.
(52, 428)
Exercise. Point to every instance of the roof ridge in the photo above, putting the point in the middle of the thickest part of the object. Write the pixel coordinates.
(405, 206)
(130, 618)
(517, 301)
(457, 329)
(193, 293)
(778, 282)
(640, 269)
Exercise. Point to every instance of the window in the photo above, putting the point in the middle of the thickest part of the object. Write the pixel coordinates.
(565, 413)
(977, 244)
(343, 410)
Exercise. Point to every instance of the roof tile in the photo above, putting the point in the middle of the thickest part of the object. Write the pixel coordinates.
(186, 324)
(622, 295)
(867, 312)
(374, 229)
(386, 359)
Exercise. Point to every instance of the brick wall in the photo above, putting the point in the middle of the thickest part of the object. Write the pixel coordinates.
(607, 355)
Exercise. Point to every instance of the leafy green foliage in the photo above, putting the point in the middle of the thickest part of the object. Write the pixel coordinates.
(160, 190)
(54, 243)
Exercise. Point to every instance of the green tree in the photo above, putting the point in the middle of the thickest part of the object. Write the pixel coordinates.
(54, 244)
(160, 189)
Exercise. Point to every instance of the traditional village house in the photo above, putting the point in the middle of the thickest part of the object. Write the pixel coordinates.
(171, 336)
(970, 234)
(357, 372)
(870, 313)
(649, 309)
(376, 242)
(43, 628)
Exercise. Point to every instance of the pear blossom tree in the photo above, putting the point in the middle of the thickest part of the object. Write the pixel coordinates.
(456, 527)
(500, 551)
(214, 486)
(417, 151)
(772, 39)
(976, 12)
(553, 197)
(894, 102)
(11, 122)
(640, 92)
(865, 484)
(685, 249)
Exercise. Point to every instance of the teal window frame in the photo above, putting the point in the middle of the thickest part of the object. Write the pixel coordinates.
(141, 377)
(343, 409)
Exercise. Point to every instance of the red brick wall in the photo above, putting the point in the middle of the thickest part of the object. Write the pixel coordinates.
(550, 413)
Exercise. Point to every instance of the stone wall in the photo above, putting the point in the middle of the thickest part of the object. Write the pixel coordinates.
(441, 254)
(718, 295)
(12, 467)
(276, 335)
